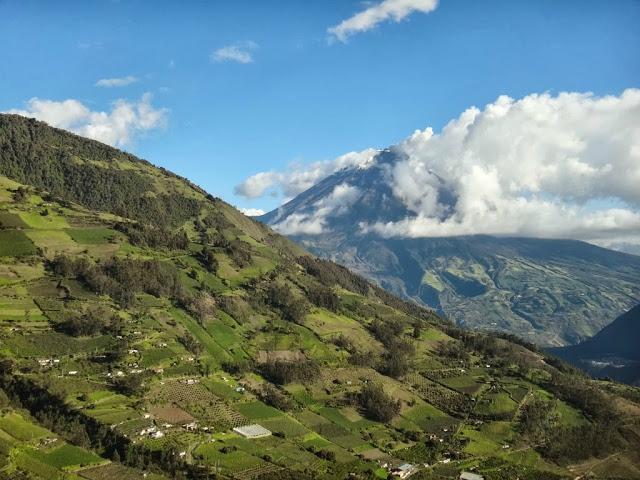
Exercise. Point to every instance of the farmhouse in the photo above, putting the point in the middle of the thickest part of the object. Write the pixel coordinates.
(470, 476)
(252, 431)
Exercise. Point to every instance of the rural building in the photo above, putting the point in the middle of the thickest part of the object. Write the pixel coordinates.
(252, 431)
(470, 476)
(404, 471)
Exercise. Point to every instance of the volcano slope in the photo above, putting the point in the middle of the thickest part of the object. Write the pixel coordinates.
(143, 320)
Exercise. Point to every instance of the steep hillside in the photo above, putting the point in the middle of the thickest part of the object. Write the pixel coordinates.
(550, 292)
(148, 341)
(613, 352)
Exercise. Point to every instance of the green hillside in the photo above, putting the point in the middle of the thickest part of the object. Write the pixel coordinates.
(142, 321)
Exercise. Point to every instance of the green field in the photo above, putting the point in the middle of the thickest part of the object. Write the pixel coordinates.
(14, 243)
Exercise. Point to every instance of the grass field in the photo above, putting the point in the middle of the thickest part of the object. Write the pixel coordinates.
(11, 220)
(53, 240)
(14, 243)
(44, 222)
(18, 427)
(67, 456)
(257, 410)
(91, 236)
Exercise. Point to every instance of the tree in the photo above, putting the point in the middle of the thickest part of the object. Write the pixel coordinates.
(207, 258)
(293, 308)
(190, 343)
(376, 404)
(20, 194)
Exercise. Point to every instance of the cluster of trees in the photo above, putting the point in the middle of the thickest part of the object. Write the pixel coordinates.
(133, 384)
(376, 404)
(207, 258)
(239, 252)
(598, 437)
(572, 444)
(537, 419)
(399, 350)
(153, 236)
(323, 297)
(91, 322)
(293, 308)
(122, 278)
(274, 397)
(282, 372)
(190, 343)
(454, 350)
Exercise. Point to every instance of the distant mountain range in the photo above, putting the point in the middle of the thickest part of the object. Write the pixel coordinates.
(613, 352)
(551, 292)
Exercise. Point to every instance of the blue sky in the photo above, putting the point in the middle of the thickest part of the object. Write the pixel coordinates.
(304, 97)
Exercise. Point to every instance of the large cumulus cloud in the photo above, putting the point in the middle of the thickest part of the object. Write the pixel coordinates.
(552, 166)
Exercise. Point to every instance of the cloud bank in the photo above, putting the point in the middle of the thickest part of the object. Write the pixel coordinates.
(300, 177)
(118, 127)
(238, 52)
(116, 82)
(387, 10)
(565, 166)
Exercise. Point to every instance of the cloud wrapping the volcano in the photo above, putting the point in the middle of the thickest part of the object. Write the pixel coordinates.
(545, 166)
(336, 203)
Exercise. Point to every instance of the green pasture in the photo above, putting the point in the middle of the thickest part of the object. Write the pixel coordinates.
(14, 243)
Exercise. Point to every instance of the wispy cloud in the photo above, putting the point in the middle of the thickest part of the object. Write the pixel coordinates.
(387, 10)
(252, 212)
(238, 52)
(116, 82)
(117, 127)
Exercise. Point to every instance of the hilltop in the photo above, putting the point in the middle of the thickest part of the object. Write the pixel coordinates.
(549, 292)
(144, 322)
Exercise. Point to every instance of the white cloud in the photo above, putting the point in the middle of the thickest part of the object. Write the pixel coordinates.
(395, 10)
(337, 203)
(300, 177)
(252, 212)
(238, 52)
(117, 127)
(548, 166)
(116, 82)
